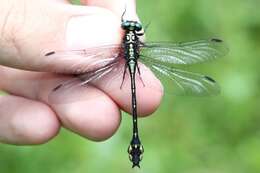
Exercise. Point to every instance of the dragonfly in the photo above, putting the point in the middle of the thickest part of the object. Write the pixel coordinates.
(161, 57)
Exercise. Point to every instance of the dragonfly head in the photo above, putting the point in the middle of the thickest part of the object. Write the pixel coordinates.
(135, 151)
(131, 25)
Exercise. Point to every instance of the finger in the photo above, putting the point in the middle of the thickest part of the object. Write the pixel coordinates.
(149, 90)
(94, 115)
(24, 121)
(39, 86)
(117, 6)
(91, 114)
(42, 26)
(146, 102)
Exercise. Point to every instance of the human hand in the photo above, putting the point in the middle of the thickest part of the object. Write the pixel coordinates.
(29, 28)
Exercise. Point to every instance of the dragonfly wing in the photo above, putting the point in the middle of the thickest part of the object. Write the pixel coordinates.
(183, 53)
(182, 82)
(69, 87)
(89, 59)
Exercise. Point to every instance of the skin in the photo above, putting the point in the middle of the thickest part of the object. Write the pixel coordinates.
(28, 29)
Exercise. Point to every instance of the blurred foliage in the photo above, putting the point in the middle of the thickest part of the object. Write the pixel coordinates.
(1, 93)
(186, 135)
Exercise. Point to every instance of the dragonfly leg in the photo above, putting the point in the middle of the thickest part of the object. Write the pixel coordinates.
(146, 27)
(140, 33)
(123, 76)
(139, 74)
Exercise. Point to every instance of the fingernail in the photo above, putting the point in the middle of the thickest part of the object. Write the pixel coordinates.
(92, 30)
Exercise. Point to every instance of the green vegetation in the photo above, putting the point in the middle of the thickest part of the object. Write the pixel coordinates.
(186, 135)
(1, 93)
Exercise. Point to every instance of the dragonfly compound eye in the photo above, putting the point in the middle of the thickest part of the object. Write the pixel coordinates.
(131, 26)
(125, 25)
(138, 27)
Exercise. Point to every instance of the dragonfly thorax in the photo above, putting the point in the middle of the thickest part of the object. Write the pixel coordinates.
(130, 37)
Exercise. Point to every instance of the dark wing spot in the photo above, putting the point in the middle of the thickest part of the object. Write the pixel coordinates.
(57, 87)
(50, 53)
(216, 40)
(209, 79)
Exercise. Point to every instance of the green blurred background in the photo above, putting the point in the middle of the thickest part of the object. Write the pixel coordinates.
(186, 135)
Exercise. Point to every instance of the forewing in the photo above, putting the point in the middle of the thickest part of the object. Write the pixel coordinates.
(89, 59)
(100, 62)
(183, 53)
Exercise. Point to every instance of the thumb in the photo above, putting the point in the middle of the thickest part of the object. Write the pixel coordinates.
(30, 30)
